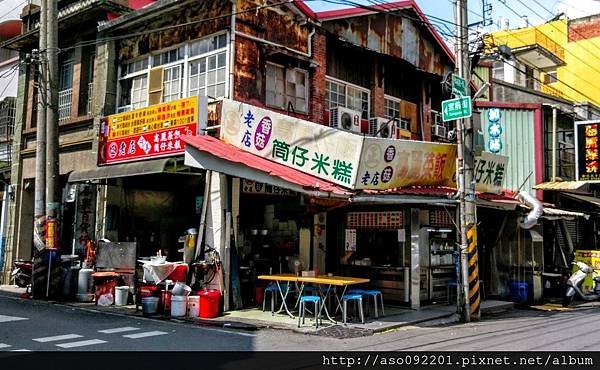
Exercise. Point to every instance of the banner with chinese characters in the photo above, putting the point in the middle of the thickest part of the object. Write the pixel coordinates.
(587, 152)
(318, 150)
(147, 132)
(255, 187)
(388, 163)
(489, 172)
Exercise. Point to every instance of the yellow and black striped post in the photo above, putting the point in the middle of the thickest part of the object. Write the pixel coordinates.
(474, 296)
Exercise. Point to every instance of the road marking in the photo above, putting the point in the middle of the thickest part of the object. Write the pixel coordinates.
(4, 318)
(2, 345)
(231, 332)
(118, 330)
(144, 334)
(58, 337)
(20, 350)
(81, 343)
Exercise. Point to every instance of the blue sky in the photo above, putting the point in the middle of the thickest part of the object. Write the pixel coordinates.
(441, 12)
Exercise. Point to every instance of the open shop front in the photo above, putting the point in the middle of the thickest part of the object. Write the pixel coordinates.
(141, 213)
(274, 236)
(407, 251)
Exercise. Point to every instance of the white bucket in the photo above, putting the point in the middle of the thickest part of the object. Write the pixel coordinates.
(193, 306)
(178, 306)
(121, 295)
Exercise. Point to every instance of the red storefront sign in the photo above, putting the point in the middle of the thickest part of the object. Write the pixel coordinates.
(148, 132)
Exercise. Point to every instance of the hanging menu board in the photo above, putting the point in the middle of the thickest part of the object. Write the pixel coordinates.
(375, 220)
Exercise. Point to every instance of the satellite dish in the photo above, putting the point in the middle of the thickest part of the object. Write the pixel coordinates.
(346, 121)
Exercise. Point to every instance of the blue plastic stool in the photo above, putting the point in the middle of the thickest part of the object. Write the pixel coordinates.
(311, 299)
(355, 291)
(274, 290)
(375, 293)
(352, 297)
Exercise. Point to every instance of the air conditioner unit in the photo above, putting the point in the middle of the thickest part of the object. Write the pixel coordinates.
(345, 119)
(382, 127)
(439, 131)
(436, 118)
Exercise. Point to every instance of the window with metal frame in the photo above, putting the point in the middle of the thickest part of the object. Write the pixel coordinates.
(195, 68)
(343, 94)
(285, 86)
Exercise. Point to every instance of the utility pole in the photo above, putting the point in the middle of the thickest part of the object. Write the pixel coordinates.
(39, 212)
(466, 183)
(52, 175)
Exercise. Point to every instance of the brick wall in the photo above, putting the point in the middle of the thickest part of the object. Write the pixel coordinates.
(318, 106)
(581, 30)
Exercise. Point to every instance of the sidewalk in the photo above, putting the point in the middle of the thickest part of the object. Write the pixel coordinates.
(255, 318)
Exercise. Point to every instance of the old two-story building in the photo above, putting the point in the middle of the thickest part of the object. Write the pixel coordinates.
(77, 42)
(375, 72)
(337, 79)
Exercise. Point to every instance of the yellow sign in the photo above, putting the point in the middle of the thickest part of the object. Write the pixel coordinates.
(592, 259)
(388, 163)
(157, 117)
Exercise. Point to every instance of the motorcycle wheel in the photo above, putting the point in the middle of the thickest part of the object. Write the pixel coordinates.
(567, 299)
(21, 282)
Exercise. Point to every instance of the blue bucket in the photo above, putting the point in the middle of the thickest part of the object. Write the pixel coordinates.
(519, 291)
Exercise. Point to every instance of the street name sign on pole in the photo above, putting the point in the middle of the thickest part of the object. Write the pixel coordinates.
(459, 86)
(456, 108)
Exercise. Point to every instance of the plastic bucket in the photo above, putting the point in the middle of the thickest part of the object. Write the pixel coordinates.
(149, 305)
(193, 306)
(121, 295)
(519, 291)
(178, 306)
(210, 300)
(180, 289)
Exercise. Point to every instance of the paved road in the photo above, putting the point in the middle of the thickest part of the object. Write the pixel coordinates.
(30, 325)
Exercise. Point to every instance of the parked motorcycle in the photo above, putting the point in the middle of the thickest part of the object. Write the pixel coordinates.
(21, 273)
(575, 284)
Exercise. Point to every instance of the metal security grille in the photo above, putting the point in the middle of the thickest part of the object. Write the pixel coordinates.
(7, 124)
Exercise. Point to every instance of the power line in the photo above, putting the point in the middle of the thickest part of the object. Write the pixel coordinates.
(574, 30)
(535, 27)
(558, 80)
(10, 11)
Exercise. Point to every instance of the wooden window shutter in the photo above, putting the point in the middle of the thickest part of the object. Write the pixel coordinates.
(155, 86)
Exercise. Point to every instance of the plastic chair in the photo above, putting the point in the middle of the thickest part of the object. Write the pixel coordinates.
(310, 299)
(352, 297)
(375, 293)
(274, 290)
(355, 291)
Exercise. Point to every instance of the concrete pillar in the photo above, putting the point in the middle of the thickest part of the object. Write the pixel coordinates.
(415, 260)
(12, 241)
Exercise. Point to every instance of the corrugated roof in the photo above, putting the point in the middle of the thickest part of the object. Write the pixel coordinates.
(561, 185)
(585, 198)
(228, 152)
(561, 213)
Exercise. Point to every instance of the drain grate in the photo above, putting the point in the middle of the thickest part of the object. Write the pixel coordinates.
(342, 332)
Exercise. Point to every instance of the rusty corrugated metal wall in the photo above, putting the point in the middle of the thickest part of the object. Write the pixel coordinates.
(394, 35)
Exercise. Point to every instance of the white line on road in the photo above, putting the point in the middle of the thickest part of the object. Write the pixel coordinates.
(3, 345)
(58, 337)
(231, 332)
(4, 318)
(21, 350)
(118, 330)
(81, 343)
(144, 334)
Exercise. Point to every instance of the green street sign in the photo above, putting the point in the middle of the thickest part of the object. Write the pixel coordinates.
(456, 108)
(459, 86)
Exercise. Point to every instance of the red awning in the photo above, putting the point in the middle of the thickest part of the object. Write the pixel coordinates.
(217, 148)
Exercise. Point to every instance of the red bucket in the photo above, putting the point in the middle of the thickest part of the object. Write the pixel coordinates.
(210, 301)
